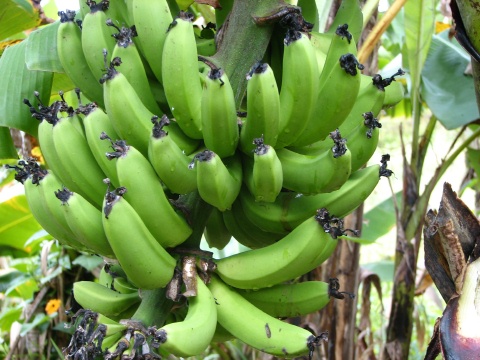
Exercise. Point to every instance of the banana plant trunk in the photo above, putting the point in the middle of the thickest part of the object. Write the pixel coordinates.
(243, 42)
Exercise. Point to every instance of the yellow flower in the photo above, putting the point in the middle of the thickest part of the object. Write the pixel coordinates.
(52, 306)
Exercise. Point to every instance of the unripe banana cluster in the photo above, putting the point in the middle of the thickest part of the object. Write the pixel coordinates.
(278, 175)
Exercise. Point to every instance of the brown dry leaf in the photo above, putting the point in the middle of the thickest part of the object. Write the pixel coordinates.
(453, 252)
(420, 327)
(434, 347)
(425, 282)
(451, 241)
(173, 289)
(465, 223)
(435, 259)
(450, 237)
(367, 279)
(189, 276)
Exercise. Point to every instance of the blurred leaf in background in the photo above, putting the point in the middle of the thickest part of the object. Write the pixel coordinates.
(447, 82)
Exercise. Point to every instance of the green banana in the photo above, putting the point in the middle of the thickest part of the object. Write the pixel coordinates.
(48, 115)
(294, 255)
(105, 278)
(363, 140)
(339, 86)
(216, 233)
(85, 221)
(290, 300)
(299, 89)
(290, 209)
(263, 174)
(95, 122)
(263, 332)
(205, 47)
(97, 37)
(349, 12)
(78, 161)
(145, 262)
(218, 180)
(360, 128)
(130, 118)
(137, 174)
(244, 230)
(321, 43)
(123, 286)
(113, 327)
(170, 162)
(132, 64)
(191, 336)
(312, 174)
(93, 296)
(70, 54)
(84, 9)
(263, 108)
(180, 75)
(219, 114)
(394, 93)
(40, 185)
(118, 11)
(151, 19)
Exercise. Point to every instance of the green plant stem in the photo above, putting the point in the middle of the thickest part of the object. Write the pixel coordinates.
(423, 146)
(153, 308)
(198, 213)
(416, 219)
(243, 42)
(416, 114)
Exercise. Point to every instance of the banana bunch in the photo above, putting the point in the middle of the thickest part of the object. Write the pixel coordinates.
(155, 125)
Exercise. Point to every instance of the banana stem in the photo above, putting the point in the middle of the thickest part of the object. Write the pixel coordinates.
(198, 213)
(153, 308)
(242, 42)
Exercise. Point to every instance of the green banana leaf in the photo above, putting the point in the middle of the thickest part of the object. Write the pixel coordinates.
(17, 16)
(17, 224)
(7, 148)
(447, 90)
(18, 284)
(9, 315)
(419, 21)
(89, 262)
(40, 320)
(21, 84)
(383, 268)
(379, 220)
(41, 49)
